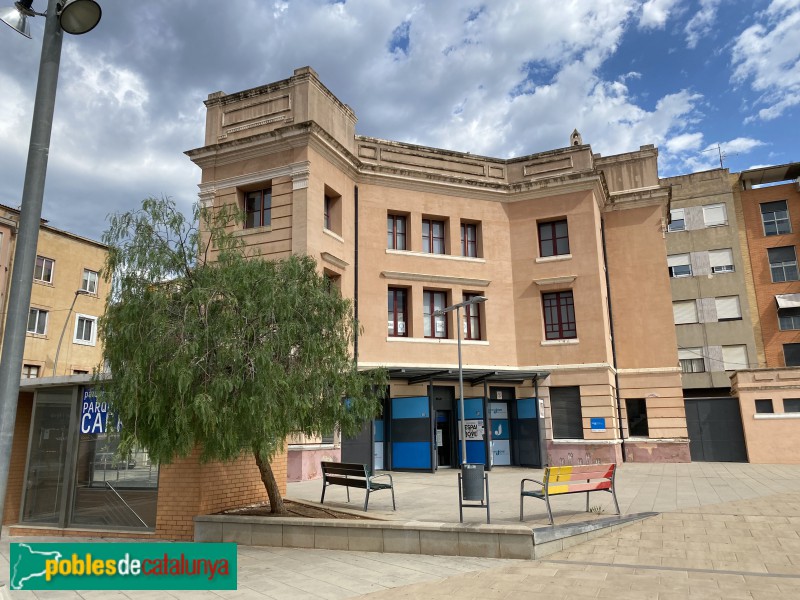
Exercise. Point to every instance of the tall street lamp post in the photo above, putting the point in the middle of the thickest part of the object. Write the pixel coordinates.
(76, 17)
(457, 307)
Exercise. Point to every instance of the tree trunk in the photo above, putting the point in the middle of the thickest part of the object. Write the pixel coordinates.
(268, 479)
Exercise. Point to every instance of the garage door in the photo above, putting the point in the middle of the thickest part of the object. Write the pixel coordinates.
(715, 430)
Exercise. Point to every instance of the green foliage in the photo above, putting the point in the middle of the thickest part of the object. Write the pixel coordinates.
(211, 348)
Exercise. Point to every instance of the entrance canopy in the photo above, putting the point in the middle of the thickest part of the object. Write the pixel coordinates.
(471, 376)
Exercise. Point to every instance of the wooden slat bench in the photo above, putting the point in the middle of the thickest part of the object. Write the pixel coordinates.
(571, 480)
(353, 475)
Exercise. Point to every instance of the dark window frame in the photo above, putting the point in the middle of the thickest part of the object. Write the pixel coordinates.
(469, 247)
(566, 421)
(763, 408)
(769, 216)
(402, 294)
(429, 239)
(262, 215)
(790, 316)
(791, 405)
(782, 265)
(793, 358)
(472, 319)
(550, 228)
(430, 306)
(326, 216)
(393, 233)
(636, 412)
(553, 303)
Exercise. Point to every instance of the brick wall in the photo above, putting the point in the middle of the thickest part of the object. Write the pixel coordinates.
(19, 451)
(758, 243)
(188, 487)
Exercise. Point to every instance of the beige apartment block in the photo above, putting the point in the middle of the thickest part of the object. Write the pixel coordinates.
(574, 349)
(711, 309)
(67, 298)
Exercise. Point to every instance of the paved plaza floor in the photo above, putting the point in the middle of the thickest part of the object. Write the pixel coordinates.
(725, 531)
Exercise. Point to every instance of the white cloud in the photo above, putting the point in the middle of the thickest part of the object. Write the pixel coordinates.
(684, 142)
(702, 22)
(655, 13)
(767, 55)
(739, 144)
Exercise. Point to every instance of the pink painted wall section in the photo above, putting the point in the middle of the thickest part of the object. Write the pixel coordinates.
(646, 451)
(303, 463)
(581, 454)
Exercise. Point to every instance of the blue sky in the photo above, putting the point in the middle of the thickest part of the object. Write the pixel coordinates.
(493, 77)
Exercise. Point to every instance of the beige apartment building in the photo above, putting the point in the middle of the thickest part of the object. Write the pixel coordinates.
(711, 309)
(572, 357)
(67, 298)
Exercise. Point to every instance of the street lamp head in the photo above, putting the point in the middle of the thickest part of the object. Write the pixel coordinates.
(17, 17)
(75, 16)
(477, 300)
(79, 16)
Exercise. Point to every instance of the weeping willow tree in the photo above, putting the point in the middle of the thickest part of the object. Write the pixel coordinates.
(215, 349)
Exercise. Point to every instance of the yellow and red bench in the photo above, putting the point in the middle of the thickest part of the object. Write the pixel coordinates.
(571, 480)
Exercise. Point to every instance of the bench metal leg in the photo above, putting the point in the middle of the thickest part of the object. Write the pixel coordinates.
(366, 500)
(348, 492)
(460, 501)
(394, 506)
(587, 501)
(549, 510)
(324, 487)
(614, 495)
(521, 497)
(486, 482)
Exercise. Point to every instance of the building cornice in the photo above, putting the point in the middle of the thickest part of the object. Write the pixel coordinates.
(440, 279)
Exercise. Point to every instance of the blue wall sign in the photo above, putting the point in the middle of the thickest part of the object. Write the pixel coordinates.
(94, 414)
(598, 423)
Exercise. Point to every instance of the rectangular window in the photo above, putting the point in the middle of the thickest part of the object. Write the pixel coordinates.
(764, 406)
(43, 271)
(679, 265)
(89, 283)
(332, 211)
(396, 232)
(715, 215)
(788, 319)
(553, 238)
(559, 316)
(258, 208)
(775, 217)
(684, 312)
(398, 312)
(783, 264)
(637, 417)
(565, 413)
(791, 355)
(721, 260)
(728, 308)
(691, 360)
(435, 326)
(85, 330)
(433, 236)
(469, 239)
(677, 220)
(37, 321)
(472, 319)
(791, 405)
(30, 371)
(734, 358)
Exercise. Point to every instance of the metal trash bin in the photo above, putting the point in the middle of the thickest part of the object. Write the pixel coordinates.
(473, 486)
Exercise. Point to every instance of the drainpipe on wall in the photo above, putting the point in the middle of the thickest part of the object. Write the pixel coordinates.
(355, 274)
(613, 340)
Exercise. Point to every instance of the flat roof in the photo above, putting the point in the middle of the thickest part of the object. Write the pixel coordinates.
(772, 174)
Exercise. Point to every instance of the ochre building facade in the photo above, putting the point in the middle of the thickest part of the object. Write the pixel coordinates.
(573, 350)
